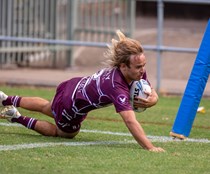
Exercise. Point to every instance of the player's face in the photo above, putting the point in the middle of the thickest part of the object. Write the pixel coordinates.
(136, 69)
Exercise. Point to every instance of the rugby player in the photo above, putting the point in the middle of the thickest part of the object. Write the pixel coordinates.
(76, 97)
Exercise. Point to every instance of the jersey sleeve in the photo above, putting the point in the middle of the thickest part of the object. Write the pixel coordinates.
(121, 99)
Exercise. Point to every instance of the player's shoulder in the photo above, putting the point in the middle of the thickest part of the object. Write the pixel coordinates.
(109, 74)
(117, 78)
(112, 78)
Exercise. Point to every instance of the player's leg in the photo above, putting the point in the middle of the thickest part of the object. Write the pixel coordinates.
(36, 104)
(30, 103)
(48, 129)
(13, 115)
(43, 127)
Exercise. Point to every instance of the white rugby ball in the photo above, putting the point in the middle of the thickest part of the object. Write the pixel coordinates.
(138, 89)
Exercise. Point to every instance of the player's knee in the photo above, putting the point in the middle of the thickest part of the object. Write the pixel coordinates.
(54, 133)
(72, 135)
(65, 134)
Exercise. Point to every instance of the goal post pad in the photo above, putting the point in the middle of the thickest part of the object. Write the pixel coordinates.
(194, 89)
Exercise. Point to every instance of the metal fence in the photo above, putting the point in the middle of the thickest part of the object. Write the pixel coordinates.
(26, 18)
(159, 47)
(33, 32)
(43, 31)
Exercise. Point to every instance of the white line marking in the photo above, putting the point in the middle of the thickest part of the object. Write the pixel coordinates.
(11, 124)
(51, 144)
(105, 132)
(152, 138)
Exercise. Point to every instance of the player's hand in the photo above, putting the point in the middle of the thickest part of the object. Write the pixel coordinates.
(142, 103)
(150, 101)
(139, 102)
(156, 149)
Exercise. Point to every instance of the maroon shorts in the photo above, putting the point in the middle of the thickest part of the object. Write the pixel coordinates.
(65, 118)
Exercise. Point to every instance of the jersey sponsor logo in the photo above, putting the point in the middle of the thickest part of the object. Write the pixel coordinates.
(122, 99)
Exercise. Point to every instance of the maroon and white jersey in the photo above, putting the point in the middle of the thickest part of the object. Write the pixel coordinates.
(108, 86)
(76, 97)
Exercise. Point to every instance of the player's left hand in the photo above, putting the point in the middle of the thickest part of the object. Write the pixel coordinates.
(150, 101)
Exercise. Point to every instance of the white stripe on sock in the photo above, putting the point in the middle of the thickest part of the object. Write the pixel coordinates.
(30, 123)
(15, 100)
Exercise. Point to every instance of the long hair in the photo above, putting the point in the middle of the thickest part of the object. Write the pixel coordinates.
(120, 51)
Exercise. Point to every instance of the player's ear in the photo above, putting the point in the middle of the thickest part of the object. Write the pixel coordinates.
(123, 66)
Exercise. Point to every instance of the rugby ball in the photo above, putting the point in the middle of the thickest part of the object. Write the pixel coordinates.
(138, 89)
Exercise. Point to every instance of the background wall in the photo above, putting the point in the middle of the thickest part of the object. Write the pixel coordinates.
(175, 10)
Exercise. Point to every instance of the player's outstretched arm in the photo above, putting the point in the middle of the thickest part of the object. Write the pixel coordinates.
(137, 131)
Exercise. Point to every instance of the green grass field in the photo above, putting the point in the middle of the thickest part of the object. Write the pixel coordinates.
(104, 144)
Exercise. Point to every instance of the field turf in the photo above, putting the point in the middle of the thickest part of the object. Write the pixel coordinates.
(104, 144)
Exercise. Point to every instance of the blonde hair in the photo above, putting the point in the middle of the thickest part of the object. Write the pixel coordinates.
(120, 51)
